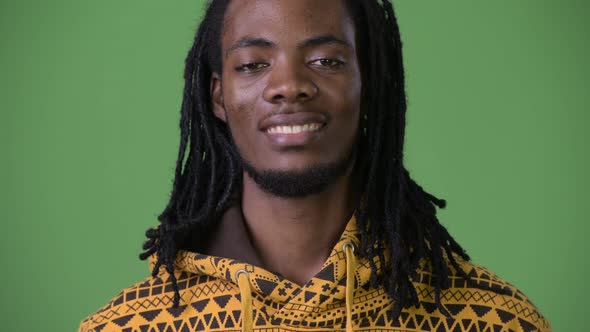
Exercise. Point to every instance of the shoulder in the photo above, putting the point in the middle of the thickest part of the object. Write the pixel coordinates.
(489, 302)
(145, 304)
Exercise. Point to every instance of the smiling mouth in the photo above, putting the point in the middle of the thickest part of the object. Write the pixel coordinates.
(294, 129)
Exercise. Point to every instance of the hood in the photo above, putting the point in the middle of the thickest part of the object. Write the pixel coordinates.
(324, 301)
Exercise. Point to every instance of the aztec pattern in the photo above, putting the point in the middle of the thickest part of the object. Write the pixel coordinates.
(210, 300)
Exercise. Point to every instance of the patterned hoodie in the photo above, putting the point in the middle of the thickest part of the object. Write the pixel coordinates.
(229, 294)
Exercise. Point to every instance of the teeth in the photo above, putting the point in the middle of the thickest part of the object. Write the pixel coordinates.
(294, 129)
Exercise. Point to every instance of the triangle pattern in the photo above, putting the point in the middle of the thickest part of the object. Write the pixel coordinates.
(526, 326)
(122, 321)
(505, 316)
(150, 315)
(309, 295)
(176, 312)
(455, 308)
(222, 300)
(326, 273)
(480, 310)
(200, 305)
(267, 287)
(99, 328)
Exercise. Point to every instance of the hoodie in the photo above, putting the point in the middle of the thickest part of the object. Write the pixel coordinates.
(228, 290)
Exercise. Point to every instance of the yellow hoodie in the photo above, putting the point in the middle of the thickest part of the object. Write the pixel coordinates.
(224, 294)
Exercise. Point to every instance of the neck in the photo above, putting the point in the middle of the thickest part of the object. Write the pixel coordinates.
(294, 236)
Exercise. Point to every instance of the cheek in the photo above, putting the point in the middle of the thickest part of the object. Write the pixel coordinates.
(347, 95)
(236, 104)
(353, 91)
(348, 116)
(241, 118)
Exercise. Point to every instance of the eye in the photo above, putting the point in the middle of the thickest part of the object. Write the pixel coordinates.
(329, 62)
(250, 67)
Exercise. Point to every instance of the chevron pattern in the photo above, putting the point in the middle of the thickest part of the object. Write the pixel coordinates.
(210, 300)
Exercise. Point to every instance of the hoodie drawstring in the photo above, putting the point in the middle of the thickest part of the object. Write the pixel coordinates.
(246, 299)
(348, 249)
(242, 278)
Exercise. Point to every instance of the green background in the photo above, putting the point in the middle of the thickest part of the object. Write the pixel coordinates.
(89, 99)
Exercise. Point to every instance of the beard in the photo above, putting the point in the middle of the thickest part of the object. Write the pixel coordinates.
(301, 182)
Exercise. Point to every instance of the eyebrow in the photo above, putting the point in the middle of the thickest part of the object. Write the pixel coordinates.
(265, 43)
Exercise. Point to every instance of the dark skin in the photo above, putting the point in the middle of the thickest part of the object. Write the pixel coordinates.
(289, 64)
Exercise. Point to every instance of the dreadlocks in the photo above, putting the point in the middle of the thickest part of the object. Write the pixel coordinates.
(395, 213)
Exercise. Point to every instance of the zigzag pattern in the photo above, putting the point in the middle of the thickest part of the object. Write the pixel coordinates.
(210, 301)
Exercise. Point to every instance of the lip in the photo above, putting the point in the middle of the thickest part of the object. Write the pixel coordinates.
(281, 140)
(292, 119)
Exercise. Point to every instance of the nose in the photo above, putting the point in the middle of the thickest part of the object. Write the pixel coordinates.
(289, 82)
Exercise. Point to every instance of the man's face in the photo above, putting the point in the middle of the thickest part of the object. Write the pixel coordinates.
(290, 90)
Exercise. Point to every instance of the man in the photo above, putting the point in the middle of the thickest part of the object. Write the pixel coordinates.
(291, 209)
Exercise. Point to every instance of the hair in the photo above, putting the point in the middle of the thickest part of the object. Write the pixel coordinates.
(394, 213)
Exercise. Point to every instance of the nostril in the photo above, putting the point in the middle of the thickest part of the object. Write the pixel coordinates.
(278, 97)
(290, 92)
(302, 95)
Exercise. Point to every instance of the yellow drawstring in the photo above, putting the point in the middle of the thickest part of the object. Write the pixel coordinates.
(243, 281)
(350, 268)
(246, 297)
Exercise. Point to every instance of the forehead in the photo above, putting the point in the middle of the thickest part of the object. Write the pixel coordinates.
(286, 21)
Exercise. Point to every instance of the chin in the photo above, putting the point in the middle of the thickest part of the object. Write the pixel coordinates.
(293, 182)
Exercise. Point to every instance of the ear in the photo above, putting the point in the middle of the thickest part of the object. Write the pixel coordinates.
(217, 97)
